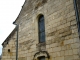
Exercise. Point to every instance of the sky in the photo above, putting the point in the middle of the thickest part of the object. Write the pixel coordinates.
(9, 10)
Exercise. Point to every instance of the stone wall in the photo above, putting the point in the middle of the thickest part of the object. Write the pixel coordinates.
(9, 48)
(62, 39)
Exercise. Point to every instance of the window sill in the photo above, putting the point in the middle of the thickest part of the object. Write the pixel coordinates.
(41, 46)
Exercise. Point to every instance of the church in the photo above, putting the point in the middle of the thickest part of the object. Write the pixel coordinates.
(45, 30)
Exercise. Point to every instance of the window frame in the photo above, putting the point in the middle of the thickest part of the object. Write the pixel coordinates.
(41, 20)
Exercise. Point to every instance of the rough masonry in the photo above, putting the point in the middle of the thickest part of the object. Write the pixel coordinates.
(61, 32)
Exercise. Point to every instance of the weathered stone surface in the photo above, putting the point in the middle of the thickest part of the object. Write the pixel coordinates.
(61, 32)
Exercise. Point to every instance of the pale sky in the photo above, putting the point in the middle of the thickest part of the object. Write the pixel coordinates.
(9, 10)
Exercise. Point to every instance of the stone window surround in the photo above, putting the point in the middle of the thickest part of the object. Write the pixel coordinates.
(41, 54)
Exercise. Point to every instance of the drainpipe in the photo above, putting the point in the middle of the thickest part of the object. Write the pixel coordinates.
(17, 26)
(77, 16)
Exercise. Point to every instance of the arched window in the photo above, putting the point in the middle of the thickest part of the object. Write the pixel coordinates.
(41, 27)
(41, 58)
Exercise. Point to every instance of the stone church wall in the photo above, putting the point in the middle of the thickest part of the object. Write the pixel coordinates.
(61, 32)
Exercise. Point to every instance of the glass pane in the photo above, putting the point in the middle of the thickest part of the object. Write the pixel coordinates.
(41, 18)
(42, 58)
(42, 37)
(41, 26)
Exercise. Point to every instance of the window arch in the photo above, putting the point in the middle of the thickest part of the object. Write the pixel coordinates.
(41, 27)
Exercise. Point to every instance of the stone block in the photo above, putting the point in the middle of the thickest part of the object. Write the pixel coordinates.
(70, 52)
(75, 51)
(76, 40)
(50, 50)
(66, 52)
(53, 45)
(73, 22)
(75, 45)
(58, 54)
(76, 57)
(56, 49)
(59, 58)
(63, 48)
(54, 54)
(70, 57)
(62, 53)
